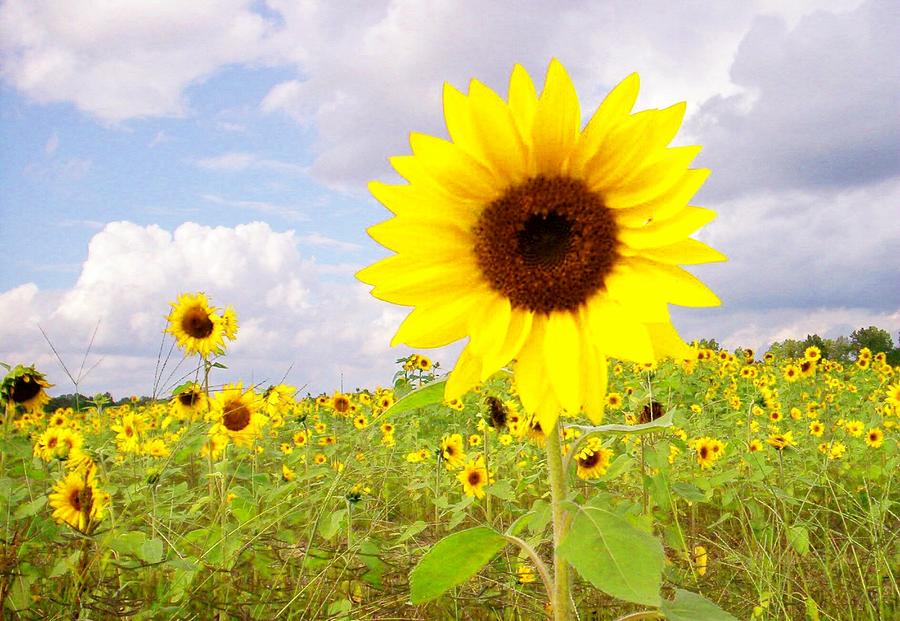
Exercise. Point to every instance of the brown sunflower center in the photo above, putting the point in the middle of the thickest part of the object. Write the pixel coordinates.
(196, 323)
(474, 478)
(236, 417)
(188, 398)
(546, 244)
(589, 461)
(24, 389)
(341, 404)
(704, 452)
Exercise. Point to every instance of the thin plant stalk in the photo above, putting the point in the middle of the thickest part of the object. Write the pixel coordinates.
(558, 492)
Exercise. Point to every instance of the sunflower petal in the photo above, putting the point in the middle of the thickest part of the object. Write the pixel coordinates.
(523, 102)
(666, 205)
(516, 335)
(594, 379)
(615, 106)
(530, 378)
(488, 323)
(685, 252)
(556, 122)
(667, 343)
(672, 283)
(452, 168)
(464, 376)
(438, 324)
(497, 135)
(651, 181)
(668, 231)
(616, 332)
(562, 347)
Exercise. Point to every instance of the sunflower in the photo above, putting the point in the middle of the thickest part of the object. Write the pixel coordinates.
(700, 559)
(24, 387)
(360, 422)
(473, 477)
(892, 394)
(340, 403)
(754, 446)
(875, 437)
(452, 451)
(593, 459)
(195, 325)
(237, 414)
(544, 243)
(791, 372)
(77, 501)
(781, 441)
(816, 428)
(189, 403)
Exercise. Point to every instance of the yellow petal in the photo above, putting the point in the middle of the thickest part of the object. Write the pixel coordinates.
(594, 379)
(622, 150)
(624, 286)
(436, 325)
(616, 332)
(556, 122)
(665, 232)
(616, 106)
(464, 376)
(548, 409)
(523, 103)
(453, 168)
(458, 119)
(652, 181)
(408, 234)
(488, 323)
(672, 283)
(667, 343)
(497, 135)
(518, 331)
(666, 205)
(685, 252)
(562, 353)
(530, 378)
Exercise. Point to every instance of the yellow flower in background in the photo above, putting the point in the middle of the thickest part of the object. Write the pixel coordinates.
(593, 459)
(195, 325)
(190, 403)
(542, 242)
(287, 474)
(875, 437)
(782, 440)
(24, 387)
(701, 559)
(237, 415)
(452, 451)
(524, 573)
(77, 501)
(474, 476)
(816, 428)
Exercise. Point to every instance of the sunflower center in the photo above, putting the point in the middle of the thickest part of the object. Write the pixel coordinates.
(474, 478)
(196, 323)
(236, 417)
(589, 461)
(546, 244)
(75, 499)
(188, 398)
(24, 389)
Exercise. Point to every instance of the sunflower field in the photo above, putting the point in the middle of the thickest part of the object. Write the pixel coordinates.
(579, 461)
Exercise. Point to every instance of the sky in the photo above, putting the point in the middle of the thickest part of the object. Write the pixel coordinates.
(156, 147)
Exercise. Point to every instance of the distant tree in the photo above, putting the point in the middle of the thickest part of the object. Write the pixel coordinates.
(814, 340)
(788, 348)
(709, 344)
(839, 349)
(876, 339)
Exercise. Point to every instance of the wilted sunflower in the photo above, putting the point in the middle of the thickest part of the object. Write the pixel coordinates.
(195, 325)
(542, 242)
(24, 387)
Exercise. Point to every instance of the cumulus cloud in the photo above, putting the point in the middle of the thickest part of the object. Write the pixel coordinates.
(818, 107)
(118, 61)
(291, 318)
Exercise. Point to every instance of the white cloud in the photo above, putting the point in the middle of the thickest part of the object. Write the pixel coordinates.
(117, 61)
(289, 316)
(238, 162)
(294, 214)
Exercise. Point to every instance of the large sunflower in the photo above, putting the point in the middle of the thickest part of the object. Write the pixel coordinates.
(196, 326)
(542, 242)
(237, 414)
(76, 500)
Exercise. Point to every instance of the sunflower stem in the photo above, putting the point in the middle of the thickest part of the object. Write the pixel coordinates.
(558, 492)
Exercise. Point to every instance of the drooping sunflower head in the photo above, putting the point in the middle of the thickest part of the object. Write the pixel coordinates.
(543, 242)
(24, 388)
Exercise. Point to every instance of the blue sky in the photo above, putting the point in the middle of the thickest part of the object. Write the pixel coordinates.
(225, 147)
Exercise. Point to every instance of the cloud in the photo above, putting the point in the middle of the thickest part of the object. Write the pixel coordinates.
(239, 162)
(117, 62)
(294, 214)
(818, 107)
(290, 316)
(317, 239)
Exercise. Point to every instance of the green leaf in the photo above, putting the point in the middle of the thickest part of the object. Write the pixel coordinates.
(614, 556)
(691, 607)
(128, 543)
(501, 489)
(218, 365)
(453, 560)
(330, 525)
(420, 397)
(798, 537)
(663, 422)
(689, 492)
(152, 551)
(412, 530)
(31, 508)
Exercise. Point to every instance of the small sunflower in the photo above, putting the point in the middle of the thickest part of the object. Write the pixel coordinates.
(190, 403)
(195, 325)
(24, 387)
(781, 441)
(452, 451)
(593, 459)
(874, 437)
(77, 501)
(340, 403)
(816, 428)
(754, 446)
(542, 242)
(237, 415)
(474, 476)
(701, 558)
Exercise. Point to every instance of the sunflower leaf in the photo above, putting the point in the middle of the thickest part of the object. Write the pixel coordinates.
(420, 397)
(614, 556)
(453, 560)
(659, 424)
(691, 606)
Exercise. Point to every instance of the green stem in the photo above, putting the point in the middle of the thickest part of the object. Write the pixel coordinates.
(561, 598)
